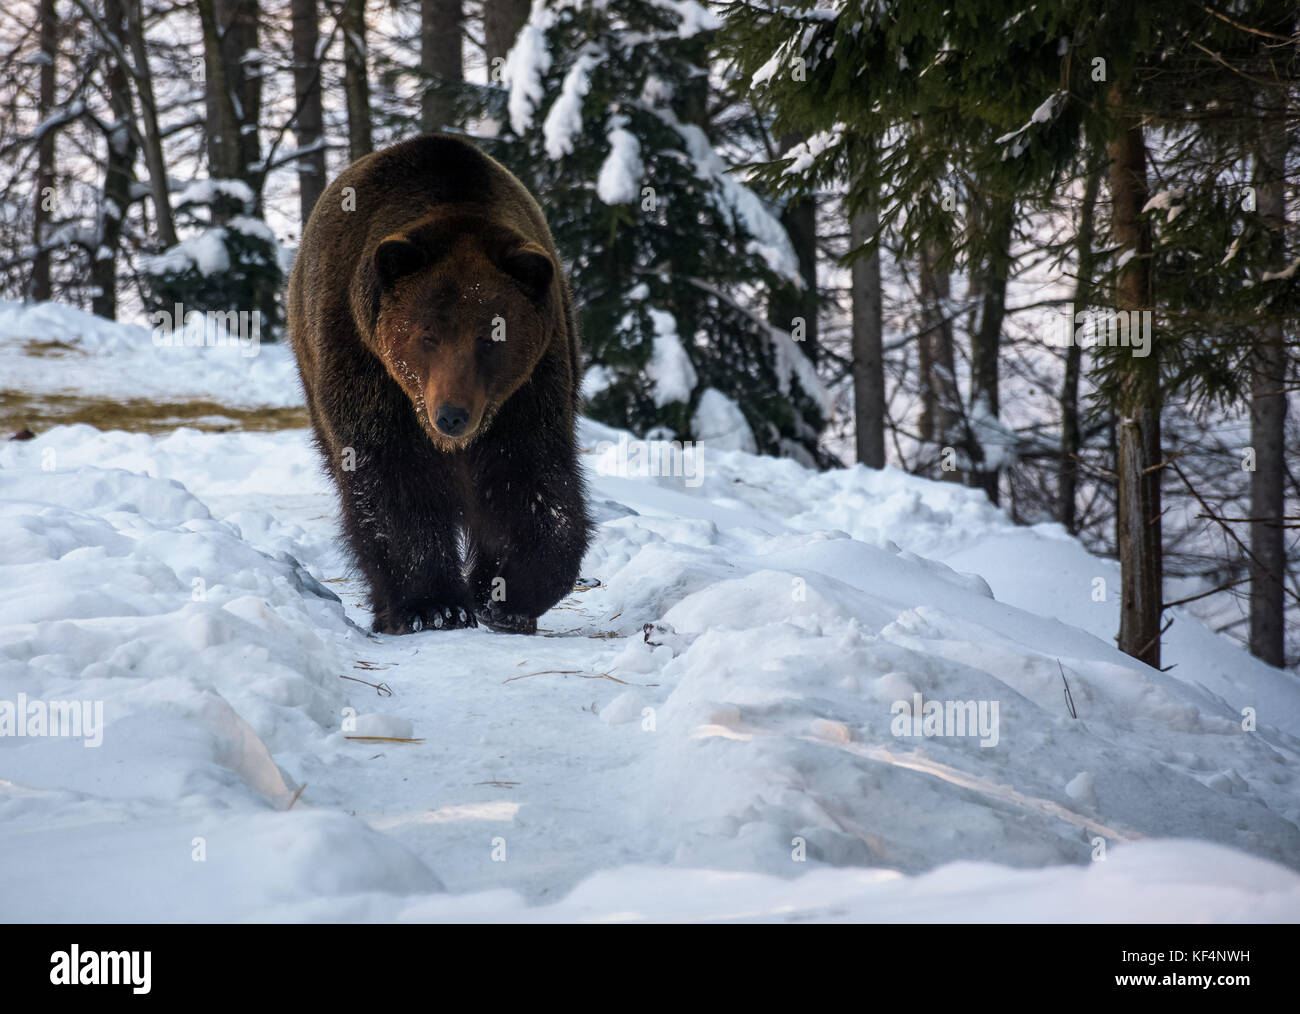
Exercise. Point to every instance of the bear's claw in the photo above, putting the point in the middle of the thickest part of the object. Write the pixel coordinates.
(431, 617)
(496, 618)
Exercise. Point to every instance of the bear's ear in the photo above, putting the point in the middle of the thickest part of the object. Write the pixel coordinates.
(531, 266)
(396, 257)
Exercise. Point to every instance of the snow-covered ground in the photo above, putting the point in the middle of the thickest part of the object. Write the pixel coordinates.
(738, 760)
(104, 359)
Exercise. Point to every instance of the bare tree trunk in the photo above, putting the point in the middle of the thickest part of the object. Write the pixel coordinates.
(233, 93)
(307, 89)
(925, 366)
(219, 83)
(356, 85)
(118, 172)
(785, 302)
(1138, 467)
(868, 342)
(151, 136)
(440, 61)
(1268, 417)
(502, 20)
(243, 39)
(1071, 440)
(49, 21)
(987, 340)
(941, 403)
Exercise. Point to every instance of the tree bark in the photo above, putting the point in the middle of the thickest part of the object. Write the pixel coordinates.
(1138, 467)
(220, 81)
(307, 89)
(987, 340)
(1268, 415)
(440, 61)
(940, 405)
(151, 136)
(118, 172)
(1071, 440)
(786, 302)
(240, 41)
(49, 42)
(868, 341)
(356, 85)
(502, 20)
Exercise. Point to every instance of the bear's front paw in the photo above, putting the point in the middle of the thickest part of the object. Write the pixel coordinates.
(413, 619)
(495, 616)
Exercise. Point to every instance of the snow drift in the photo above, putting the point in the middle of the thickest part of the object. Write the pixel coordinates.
(720, 729)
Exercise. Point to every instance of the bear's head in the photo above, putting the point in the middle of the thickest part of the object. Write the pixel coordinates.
(462, 309)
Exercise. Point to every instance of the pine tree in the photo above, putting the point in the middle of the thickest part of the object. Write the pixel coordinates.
(1017, 94)
(669, 254)
(229, 262)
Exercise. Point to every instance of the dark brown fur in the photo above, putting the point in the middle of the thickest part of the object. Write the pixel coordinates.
(392, 311)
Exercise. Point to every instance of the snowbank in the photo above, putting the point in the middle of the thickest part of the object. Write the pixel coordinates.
(740, 760)
(790, 695)
(105, 359)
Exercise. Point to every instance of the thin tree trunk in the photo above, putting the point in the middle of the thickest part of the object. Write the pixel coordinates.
(925, 364)
(49, 40)
(868, 341)
(940, 400)
(1138, 466)
(1071, 441)
(151, 136)
(1268, 417)
(118, 174)
(440, 61)
(241, 43)
(786, 302)
(356, 85)
(307, 89)
(987, 340)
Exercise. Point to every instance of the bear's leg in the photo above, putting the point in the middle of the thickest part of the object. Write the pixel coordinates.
(405, 539)
(528, 534)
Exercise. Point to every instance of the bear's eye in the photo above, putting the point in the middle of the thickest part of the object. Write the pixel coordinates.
(428, 341)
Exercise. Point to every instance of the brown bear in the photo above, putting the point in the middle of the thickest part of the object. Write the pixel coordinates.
(435, 338)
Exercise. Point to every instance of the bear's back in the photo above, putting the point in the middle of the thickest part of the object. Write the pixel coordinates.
(427, 171)
(404, 182)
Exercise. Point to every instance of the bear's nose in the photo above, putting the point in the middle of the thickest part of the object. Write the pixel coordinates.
(451, 420)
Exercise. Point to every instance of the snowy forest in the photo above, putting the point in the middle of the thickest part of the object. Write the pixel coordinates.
(1017, 276)
(865, 233)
